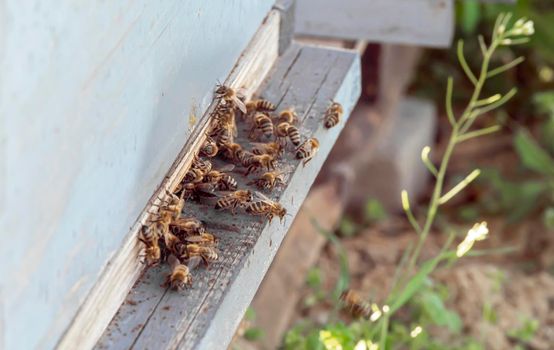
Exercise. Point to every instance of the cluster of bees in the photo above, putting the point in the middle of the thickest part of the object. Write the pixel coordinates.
(184, 242)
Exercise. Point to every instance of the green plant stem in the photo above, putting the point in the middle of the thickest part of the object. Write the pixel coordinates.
(384, 331)
(437, 192)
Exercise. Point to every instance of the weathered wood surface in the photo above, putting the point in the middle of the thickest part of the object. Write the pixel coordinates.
(96, 101)
(415, 22)
(122, 272)
(207, 315)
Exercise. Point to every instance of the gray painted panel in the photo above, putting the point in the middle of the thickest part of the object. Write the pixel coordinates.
(96, 101)
(416, 22)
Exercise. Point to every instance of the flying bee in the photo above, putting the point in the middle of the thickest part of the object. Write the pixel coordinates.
(255, 162)
(207, 254)
(188, 226)
(180, 276)
(355, 304)
(333, 115)
(268, 180)
(263, 123)
(233, 200)
(307, 150)
(229, 95)
(260, 105)
(209, 148)
(266, 207)
(149, 236)
(288, 116)
(272, 148)
(206, 239)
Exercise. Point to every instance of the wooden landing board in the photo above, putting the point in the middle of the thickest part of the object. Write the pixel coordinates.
(207, 315)
(414, 22)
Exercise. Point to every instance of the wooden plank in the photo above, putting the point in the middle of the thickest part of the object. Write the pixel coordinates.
(414, 22)
(206, 315)
(124, 269)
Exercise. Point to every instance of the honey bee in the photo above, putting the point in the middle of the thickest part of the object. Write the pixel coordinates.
(193, 190)
(333, 115)
(284, 130)
(149, 236)
(188, 226)
(262, 122)
(266, 207)
(231, 150)
(222, 180)
(206, 253)
(203, 164)
(255, 162)
(234, 199)
(288, 116)
(272, 148)
(180, 276)
(171, 241)
(209, 148)
(355, 304)
(229, 95)
(307, 150)
(206, 239)
(268, 180)
(260, 105)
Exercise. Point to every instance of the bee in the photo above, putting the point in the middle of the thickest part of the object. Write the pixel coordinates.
(209, 148)
(180, 276)
(206, 239)
(230, 151)
(222, 180)
(260, 105)
(262, 122)
(268, 180)
(171, 241)
(203, 164)
(266, 207)
(149, 236)
(333, 115)
(307, 150)
(284, 130)
(356, 305)
(207, 254)
(188, 226)
(272, 148)
(234, 199)
(288, 116)
(255, 162)
(229, 95)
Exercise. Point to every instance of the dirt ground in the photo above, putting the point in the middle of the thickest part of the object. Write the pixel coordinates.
(517, 286)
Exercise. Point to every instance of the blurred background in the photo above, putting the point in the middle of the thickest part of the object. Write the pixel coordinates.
(499, 298)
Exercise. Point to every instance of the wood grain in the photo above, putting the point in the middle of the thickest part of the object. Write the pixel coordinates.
(207, 315)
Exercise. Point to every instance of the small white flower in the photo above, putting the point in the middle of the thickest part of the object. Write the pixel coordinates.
(477, 233)
(506, 42)
(528, 28)
(501, 29)
(519, 23)
(517, 31)
(416, 331)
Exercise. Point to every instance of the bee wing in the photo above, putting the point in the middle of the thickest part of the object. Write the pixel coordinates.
(262, 196)
(194, 239)
(241, 106)
(227, 168)
(193, 262)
